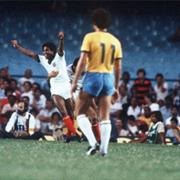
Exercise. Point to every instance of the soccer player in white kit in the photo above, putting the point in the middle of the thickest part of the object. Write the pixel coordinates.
(53, 60)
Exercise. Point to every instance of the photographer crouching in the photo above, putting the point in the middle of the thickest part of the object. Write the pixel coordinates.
(21, 125)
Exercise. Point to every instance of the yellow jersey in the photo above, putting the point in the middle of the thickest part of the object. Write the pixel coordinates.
(103, 49)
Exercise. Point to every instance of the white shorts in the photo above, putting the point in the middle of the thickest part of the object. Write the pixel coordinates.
(61, 89)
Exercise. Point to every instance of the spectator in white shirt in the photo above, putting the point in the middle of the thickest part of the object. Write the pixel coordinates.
(27, 77)
(174, 114)
(126, 82)
(161, 87)
(134, 109)
(28, 91)
(45, 116)
(174, 131)
(132, 126)
(39, 100)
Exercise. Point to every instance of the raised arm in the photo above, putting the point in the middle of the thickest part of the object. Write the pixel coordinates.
(61, 44)
(11, 123)
(23, 50)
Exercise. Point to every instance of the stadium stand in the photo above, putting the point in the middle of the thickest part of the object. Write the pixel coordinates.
(144, 39)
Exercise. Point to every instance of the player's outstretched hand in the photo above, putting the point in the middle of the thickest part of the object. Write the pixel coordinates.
(14, 43)
(61, 35)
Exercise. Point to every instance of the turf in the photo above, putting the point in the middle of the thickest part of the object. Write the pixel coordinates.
(28, 160)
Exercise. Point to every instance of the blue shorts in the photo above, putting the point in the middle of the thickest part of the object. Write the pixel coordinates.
(99, 84)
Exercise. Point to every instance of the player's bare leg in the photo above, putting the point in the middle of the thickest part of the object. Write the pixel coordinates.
(105, 124)
(61, 105)
(69, 107)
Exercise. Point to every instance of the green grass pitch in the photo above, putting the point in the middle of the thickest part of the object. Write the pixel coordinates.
(41, 160)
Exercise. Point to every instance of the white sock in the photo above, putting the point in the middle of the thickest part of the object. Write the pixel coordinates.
(105, 130)
(85, 126)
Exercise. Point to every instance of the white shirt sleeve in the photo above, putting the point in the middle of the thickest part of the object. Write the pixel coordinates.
(11, 122)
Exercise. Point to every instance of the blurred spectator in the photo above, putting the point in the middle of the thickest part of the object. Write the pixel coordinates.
(123, 115)
(176, 99)
(146, 115)
(7, 109)
(125, 81)
(26, 100)
(4, 73)
(35, 85)
(119, 128)
(132, 126)
(5, 84)
(161, 87)
(28, 91)
(176, 85)
(151, 102)
(16, 90)
(174, 131)
(134, 109)
(165, 107)
(11, 106)
(39, 100)
(57, 126)
(156, 133)
(27, 77)
(123, 94)
(116, 109)
(174, 114)
(4, 101)
(45, 116)
(2, 88)
(141, 87)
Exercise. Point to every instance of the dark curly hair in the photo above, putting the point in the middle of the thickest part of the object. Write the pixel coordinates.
(101, 18)
(50, 45)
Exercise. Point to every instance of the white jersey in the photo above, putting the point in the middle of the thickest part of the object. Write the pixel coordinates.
(60, 85)
(57, 64)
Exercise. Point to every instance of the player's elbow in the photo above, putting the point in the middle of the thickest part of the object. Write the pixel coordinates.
(32, 55)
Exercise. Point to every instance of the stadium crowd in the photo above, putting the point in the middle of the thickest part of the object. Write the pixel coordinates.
(142, 110)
